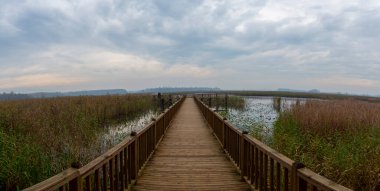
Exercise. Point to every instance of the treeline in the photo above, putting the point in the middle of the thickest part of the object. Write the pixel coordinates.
(13, 96)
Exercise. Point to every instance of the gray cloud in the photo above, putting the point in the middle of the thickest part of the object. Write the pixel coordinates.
(239, 44)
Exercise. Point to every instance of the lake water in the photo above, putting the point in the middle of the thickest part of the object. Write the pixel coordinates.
(117, 133)
(260, 114)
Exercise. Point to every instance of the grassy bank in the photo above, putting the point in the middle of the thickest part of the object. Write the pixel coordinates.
(337, 139)
(41, 137)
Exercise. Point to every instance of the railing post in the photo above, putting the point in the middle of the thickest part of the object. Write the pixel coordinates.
(213, 120)
(163, 123)
(76, 184)
(155, 132)
(136, 162)
(294, 176)
(224, 133)
(242, 154)
(133, 159)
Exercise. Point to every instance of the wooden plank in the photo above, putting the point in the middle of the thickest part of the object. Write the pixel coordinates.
(189, 157)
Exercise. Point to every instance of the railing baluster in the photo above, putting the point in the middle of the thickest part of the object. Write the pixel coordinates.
(105, 182)
(126, 171)
(121, 170)
(76, 184)
(286, 179)
(278, 176)
(88, 183)
(271, 174)
(130, 163)
(252, 164)
(265, 171)
(302, 185)
(257, 168)
(117, 168)
(111, 174)
(97, 180)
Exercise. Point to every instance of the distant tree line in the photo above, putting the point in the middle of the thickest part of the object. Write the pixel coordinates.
(13, 96)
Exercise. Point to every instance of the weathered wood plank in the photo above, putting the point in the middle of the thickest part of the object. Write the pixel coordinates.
(189, 157)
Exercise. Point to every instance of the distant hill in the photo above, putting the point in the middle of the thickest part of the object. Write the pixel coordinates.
(79, 93)
(178, 89)
(13, 96)
(291, 90)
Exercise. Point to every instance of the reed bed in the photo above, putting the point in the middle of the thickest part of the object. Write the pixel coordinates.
(339, 139)
(41, 137)
(219, 101)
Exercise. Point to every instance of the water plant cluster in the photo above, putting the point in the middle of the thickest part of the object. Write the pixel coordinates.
(339, 139)
(42, 137)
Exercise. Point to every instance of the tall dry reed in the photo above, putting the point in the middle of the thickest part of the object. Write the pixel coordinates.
(339, 139)
(41, 137)
(330, 117)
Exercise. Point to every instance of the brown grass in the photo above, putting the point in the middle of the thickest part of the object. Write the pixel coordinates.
(338, 139)
(41, 137)
(330, 117)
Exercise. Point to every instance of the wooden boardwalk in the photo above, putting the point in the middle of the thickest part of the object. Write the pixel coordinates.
(189, 158)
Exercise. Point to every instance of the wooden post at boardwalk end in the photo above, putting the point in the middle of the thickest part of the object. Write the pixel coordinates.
(296, 185)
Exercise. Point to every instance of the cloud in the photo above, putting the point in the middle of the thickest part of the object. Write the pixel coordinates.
(348, 82)
(68, 65)
(191, 42)
(39, 80)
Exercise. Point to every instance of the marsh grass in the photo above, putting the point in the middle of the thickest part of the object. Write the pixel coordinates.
(219, 102)
(337, 139)
(42, 137)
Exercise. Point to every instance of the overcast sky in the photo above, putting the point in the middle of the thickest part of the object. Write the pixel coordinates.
(330, 45)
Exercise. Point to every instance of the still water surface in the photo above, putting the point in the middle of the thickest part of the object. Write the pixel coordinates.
(116, 133)
(260, 114)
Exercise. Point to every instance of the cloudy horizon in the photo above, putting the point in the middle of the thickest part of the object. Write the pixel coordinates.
(67, 45)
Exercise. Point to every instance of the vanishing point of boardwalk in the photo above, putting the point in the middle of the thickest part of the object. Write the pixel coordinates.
(190, 158)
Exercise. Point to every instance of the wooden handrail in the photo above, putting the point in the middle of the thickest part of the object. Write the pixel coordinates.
(56, 181)
(261, 166)
(117, 168)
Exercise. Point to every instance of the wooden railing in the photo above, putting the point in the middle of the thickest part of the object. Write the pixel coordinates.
(119, 167)
(261, 166)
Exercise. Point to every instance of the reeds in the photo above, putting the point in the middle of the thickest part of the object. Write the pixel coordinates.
(41, 137)
(339, 139)
(331, 117)
(223, 101)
